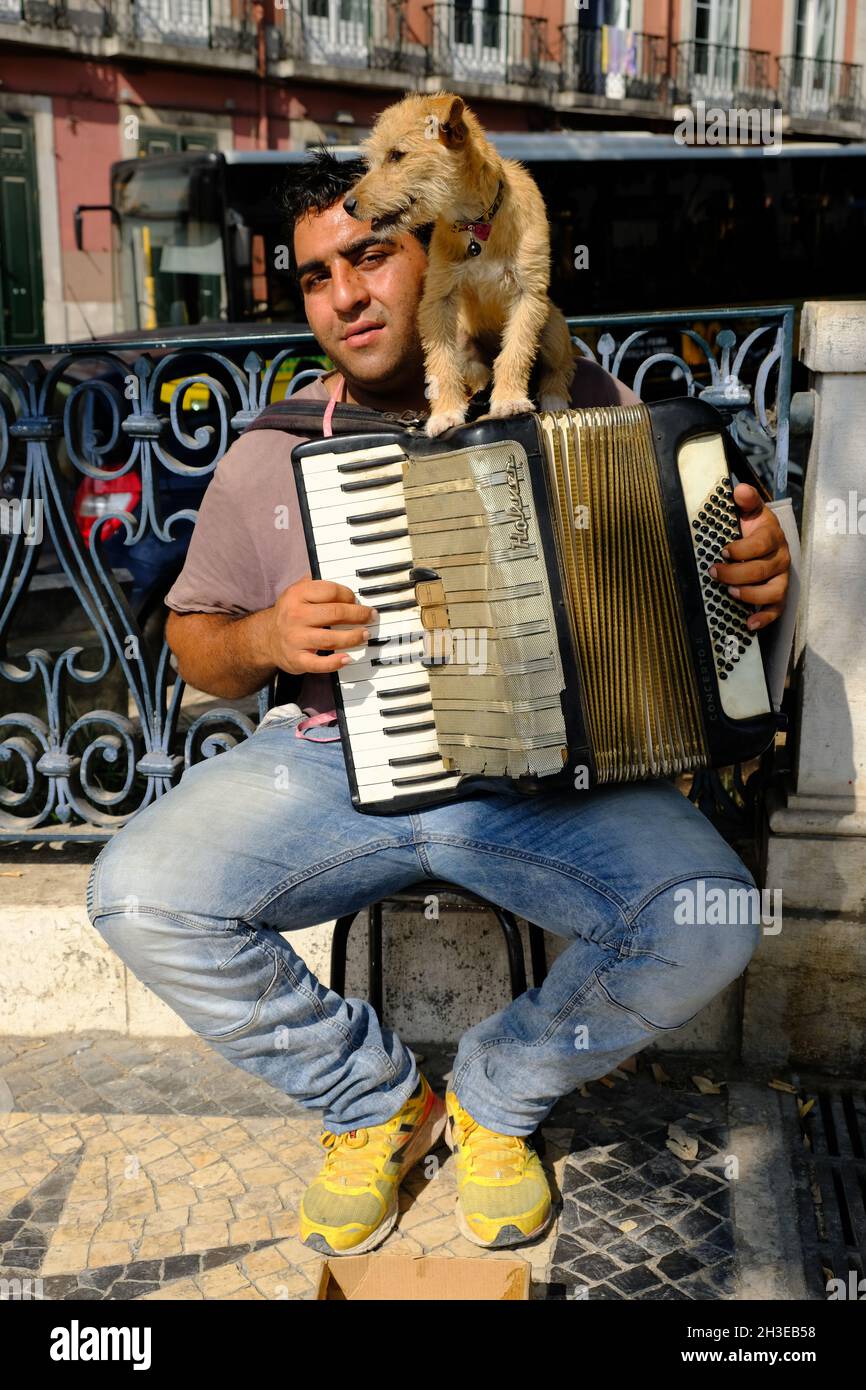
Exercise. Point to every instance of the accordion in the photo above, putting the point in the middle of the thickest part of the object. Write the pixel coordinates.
(545, 610)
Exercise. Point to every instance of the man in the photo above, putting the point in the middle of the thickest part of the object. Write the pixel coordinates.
(199, 892)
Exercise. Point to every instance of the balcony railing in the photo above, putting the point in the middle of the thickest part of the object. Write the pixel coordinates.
(349, 34)
(816, 89)
(91, 724)
(88, 18)
(214, 24)
(716, 73)
(489, 46)
(613, 63)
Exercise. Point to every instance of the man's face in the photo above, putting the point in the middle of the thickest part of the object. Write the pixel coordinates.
(361, 291)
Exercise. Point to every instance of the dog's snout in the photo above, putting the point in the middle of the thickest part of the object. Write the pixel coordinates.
(350, 204)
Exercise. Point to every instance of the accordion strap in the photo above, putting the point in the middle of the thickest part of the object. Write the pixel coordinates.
(301, 416)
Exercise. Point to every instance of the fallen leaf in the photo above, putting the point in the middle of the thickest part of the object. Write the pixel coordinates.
(659, 1073)
(783, 1086)
(681, 1143)
(630, 1064)
(627, 1226)
(623, 1075)
(706, 1086)
(606, 1081)
(11, 873)
(584, 1092)
(805, 1106)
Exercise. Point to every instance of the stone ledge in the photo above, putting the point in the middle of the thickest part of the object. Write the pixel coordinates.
(833, 337)
(57, 975)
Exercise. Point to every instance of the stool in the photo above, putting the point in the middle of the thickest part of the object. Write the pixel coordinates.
(411, 895)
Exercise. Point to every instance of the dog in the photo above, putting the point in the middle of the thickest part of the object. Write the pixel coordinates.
(488, 261)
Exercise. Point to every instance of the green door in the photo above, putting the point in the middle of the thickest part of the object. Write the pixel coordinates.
(20, 255)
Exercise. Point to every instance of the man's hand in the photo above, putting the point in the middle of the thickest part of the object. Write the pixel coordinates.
(759, 563)
(301, 624)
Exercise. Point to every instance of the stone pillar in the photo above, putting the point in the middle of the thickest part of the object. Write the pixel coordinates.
(805, 1003)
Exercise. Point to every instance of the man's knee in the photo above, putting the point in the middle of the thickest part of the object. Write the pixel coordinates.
(688, 943)
(116, 884)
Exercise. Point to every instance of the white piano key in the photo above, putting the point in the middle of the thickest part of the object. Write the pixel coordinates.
(386, 791)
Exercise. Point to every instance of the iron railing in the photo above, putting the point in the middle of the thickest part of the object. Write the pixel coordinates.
(466, 43)
(722, 75)
(350, 34)
(91, 724)
(816, 89)
(217, 24)
(613, 63)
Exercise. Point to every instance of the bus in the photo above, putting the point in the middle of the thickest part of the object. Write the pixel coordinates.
(638, 223)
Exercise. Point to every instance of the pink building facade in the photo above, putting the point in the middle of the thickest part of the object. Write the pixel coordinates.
(84, 83)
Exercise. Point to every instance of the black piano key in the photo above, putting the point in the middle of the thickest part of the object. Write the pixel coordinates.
(412, 781)
(365, 517)
(403, 658)
(357, 465)
(408, 709)
(377, 536)
(393, 567)
(411, 759)
(366, 483)
(409, 729)
(396, 607)
(384, 589)
(400, 638)
(403, 690)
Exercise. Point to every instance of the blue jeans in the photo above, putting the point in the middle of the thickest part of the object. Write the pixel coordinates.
(200, 892)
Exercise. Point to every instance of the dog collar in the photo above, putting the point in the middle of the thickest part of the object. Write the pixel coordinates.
(481, 228)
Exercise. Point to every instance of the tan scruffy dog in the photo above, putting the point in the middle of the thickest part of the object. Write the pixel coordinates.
(489, 257)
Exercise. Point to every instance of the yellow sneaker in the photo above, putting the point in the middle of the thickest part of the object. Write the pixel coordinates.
(502, 1192)
(351, 1206)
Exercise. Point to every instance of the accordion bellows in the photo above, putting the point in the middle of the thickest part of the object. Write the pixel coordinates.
(544, 598)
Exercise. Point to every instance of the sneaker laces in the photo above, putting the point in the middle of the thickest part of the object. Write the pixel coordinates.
(351, 1156)
(488, 1152)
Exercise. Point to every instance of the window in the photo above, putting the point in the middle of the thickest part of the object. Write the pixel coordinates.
(815, 26)
(717, 22)
(814, 49)
(174, 21)
(716, 55)
(336, 30)
(478, 38)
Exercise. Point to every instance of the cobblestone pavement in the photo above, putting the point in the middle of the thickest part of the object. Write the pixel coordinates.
(155, 1169)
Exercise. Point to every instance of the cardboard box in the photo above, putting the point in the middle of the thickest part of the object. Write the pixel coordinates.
(422, 1277)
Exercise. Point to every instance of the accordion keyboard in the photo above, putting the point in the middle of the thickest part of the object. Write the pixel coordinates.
(357, 510)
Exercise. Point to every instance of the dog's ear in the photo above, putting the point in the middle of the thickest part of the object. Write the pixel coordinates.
(453, 129)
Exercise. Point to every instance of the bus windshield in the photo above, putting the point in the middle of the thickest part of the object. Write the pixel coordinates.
(169, 265)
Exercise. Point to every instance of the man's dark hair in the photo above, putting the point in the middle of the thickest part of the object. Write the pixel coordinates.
(316, 184)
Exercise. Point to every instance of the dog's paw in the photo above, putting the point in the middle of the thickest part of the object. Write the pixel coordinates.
(444, 420)
(549, 401)
(521, 405)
